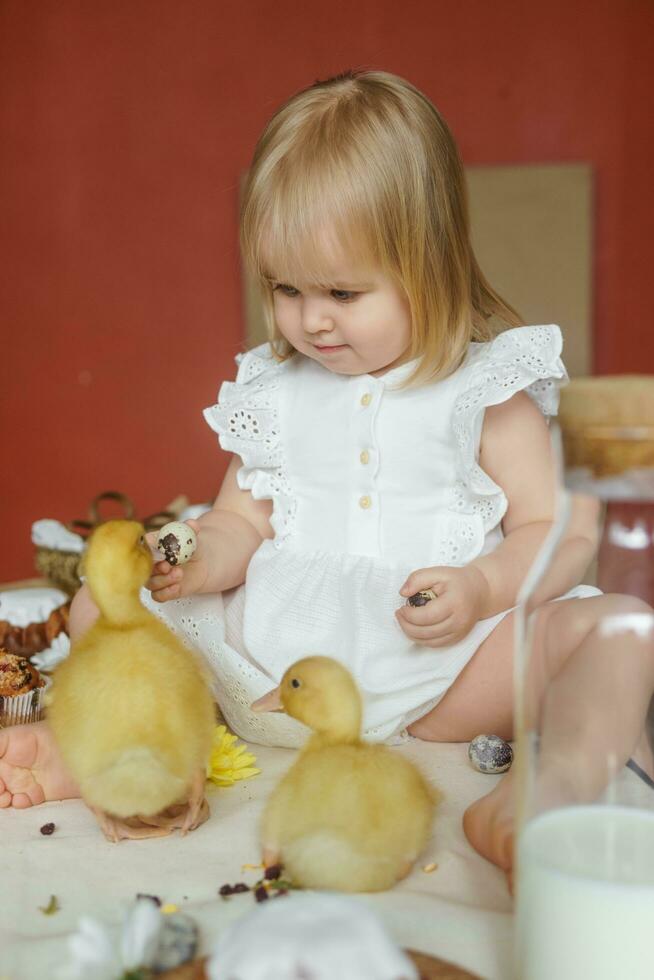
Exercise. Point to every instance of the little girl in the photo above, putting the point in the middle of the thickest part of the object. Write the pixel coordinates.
(387, 441)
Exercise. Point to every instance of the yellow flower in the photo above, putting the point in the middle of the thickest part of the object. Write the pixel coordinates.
(229, 762)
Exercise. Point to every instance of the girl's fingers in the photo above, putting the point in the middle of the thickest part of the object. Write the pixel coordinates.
(164, 595)
(425, 637)
(158, 582)
(423, 578)
(432, 613)
(443, 641)
(433, 631)
(151, 541)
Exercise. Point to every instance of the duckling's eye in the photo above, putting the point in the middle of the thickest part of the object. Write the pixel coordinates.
(295, 682)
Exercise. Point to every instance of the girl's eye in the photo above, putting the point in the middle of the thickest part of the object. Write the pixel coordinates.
(341, 295)
(286, 290)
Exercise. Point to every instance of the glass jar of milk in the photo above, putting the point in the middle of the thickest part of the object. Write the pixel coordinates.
(584, 762)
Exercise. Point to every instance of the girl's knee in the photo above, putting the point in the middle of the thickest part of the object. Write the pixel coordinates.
(629, 605)
(630, 618)
(83, 612)
(567, 618)
(627, 616)
(625, 621)
(576, 619)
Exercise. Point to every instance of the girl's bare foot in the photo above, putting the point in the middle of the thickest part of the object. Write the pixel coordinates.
(489, 826)
(31, 769)
(489, 823)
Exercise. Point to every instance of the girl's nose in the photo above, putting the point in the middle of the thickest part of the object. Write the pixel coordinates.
(315, 317)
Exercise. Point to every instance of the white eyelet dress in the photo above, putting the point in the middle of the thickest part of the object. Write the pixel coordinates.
(369, 482)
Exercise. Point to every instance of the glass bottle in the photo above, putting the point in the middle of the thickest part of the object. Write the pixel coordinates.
(585, 795)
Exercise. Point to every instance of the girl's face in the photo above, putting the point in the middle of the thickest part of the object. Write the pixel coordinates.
(358, 322)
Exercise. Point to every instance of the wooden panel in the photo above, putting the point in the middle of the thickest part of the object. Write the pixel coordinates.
(531, 231)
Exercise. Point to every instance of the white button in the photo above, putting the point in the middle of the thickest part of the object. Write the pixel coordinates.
(365, 502)
(366, 399)
(365, 457)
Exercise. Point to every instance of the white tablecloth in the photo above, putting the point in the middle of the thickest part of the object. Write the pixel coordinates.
(461, 911)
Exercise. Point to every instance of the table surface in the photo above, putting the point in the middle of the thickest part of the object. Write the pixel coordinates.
(460, 912)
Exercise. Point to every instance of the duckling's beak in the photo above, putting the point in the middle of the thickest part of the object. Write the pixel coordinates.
(269, 702)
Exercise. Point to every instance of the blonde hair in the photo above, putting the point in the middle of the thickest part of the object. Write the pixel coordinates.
(367, 158)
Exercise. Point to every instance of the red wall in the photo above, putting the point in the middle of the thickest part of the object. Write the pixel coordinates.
(124, 126)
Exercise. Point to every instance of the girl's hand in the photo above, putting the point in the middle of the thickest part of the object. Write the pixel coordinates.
(173, 581)
(461, 594)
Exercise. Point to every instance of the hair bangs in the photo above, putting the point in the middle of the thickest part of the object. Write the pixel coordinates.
(314, 214)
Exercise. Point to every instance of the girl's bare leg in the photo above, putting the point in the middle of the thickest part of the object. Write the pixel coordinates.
(31, 769)
(598, 685)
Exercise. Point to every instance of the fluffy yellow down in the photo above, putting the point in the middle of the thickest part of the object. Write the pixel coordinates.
(348, 815)
(132, 709)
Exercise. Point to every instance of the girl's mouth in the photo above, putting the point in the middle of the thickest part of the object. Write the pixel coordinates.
(330, 350)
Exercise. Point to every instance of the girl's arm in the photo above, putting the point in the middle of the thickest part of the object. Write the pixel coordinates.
(516, 452)
(228, 535)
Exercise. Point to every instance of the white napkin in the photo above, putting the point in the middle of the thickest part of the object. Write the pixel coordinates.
(52, 534)
(323, 936)
(58, 651)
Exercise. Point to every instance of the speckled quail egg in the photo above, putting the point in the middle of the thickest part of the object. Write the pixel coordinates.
(177, 542)
(490, 753)
(421, 598)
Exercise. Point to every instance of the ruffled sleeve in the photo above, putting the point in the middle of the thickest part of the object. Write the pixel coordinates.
(522, 359)
(246, 419)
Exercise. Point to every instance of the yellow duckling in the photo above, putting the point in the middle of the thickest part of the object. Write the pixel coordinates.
(348, 815)
(131, 708)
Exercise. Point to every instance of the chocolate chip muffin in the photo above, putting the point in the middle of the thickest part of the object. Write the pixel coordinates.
(17, 675)
(20, 689)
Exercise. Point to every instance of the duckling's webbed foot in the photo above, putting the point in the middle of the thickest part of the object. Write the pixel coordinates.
(182, 816)
(271, 855)
(162, 824)
(179, 816)
(198, 808)
(130, 828)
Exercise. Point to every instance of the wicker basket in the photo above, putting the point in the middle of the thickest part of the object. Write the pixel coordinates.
(607, 424)
(63, 568)
(59, 567)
